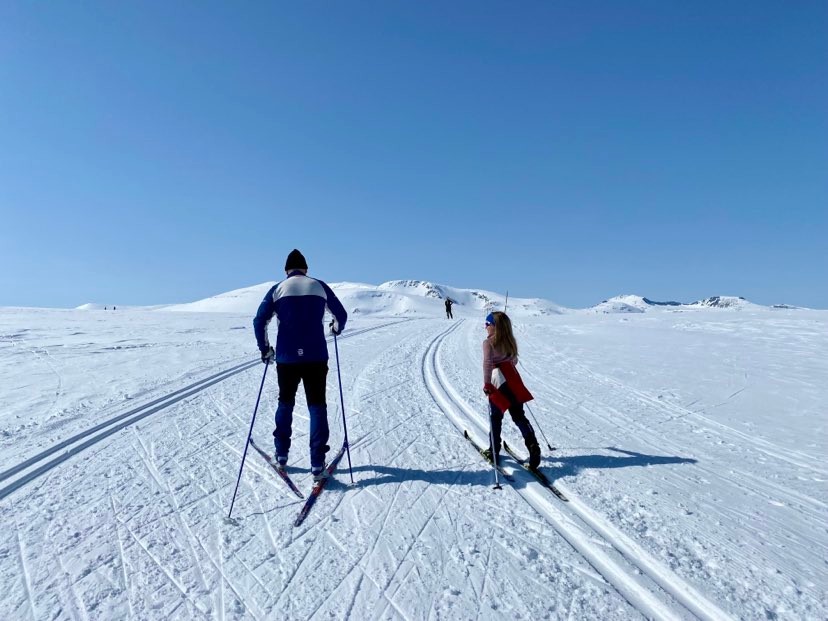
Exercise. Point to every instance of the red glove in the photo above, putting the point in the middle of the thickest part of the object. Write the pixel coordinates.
(489, 388)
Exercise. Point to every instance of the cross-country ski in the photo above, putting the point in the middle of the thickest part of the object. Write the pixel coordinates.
(506, 475)
(318, 487)
(280, 471)
(537, 473)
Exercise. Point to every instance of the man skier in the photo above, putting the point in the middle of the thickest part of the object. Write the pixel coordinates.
(301, 355)
(448, 308)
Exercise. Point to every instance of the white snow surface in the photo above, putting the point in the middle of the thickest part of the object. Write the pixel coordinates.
(691, 445)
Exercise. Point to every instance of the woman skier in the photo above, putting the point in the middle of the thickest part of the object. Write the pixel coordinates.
(504, 387)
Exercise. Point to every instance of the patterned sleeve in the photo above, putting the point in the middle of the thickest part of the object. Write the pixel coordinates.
(488, 364)
(335, 306)
(262, 319)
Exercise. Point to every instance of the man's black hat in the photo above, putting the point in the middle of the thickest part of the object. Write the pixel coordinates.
(295, 261)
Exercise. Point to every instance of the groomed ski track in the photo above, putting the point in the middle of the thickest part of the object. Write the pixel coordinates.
(132, 527)
(39, 464)
(618, 559)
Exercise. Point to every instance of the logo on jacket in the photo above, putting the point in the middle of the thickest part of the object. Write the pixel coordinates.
(301, 352)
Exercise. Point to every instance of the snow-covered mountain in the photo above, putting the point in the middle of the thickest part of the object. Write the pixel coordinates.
(621, 304)
(724, 301)
(396, 297)
(420, 297)
(639, 304)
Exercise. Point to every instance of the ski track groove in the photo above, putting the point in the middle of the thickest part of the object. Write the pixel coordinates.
(355, 564)
(24, 573)
(644, 435)
(273, 545)
(122, 555)
(626, 582)
(295, 571)
(48, 361)
(355, 594)
(184, 592)
(85, 439)
(165, 488)
(220, 574)
(765, 446)
(416, 537)
(258, 614)
(370, 552)
(207, 494)
(750, 483)
(252, 572)
(219, 568)
(170, 398)
(453, 524)
(72, 594)
(485, 580)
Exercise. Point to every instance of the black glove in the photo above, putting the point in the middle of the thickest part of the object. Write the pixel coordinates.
(334, 331)
(267, 355)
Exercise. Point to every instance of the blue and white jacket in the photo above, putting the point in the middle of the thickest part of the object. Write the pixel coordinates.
(299, 303)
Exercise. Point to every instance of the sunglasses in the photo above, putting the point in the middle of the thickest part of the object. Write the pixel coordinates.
(489, 323)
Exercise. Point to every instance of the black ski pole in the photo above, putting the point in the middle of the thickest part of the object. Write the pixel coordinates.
(342, 404)
(532, 414)
(246, 444)
(549, 446)
(494, 455)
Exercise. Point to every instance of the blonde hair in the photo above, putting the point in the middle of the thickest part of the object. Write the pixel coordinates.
(504, 339)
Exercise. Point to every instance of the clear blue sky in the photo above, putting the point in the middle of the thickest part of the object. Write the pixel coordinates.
(155, 152)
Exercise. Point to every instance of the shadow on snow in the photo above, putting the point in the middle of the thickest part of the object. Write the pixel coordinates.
(554, 468)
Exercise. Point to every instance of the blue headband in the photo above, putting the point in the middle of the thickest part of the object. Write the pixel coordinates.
(490, 318)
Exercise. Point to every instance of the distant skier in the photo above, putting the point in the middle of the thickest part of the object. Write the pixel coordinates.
(448, 308)
(503, 385)
(301, 355)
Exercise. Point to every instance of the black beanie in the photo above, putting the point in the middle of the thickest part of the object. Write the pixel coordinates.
(295, 261)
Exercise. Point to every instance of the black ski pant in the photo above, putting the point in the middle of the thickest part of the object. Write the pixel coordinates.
(518, 416)
(313, 375)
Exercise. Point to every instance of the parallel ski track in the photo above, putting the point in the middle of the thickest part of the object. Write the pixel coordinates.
(627, 566)
(749, 482)
(795, 458)
(741, 480)
(81, 441)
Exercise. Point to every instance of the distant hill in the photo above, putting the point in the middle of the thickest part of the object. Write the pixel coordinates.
(396, 297)
(639, 304)
(724, 301)
(413, 297)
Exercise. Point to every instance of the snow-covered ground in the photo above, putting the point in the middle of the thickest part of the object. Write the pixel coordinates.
(691, 444)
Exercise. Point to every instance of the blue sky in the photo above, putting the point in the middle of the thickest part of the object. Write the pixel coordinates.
(155, 152)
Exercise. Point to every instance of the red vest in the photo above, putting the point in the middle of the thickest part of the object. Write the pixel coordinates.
(515, 384)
